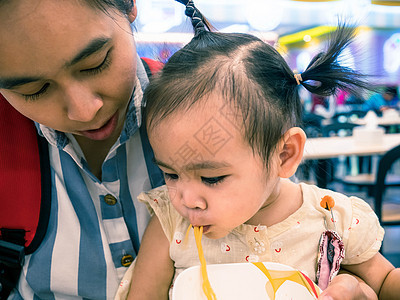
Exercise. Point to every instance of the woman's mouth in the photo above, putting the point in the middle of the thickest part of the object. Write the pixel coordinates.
(104, 131)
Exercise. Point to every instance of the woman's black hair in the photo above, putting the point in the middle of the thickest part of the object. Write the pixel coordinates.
(252, 77)
(123, 6)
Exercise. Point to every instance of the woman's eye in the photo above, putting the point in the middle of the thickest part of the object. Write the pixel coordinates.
(34, 96)
(171, 176)
(102, 66)
(212, 180)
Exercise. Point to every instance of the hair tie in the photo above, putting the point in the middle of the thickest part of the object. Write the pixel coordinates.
(298, 78)
(191, 12)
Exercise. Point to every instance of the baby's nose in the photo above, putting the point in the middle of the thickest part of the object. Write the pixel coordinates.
(193, 200)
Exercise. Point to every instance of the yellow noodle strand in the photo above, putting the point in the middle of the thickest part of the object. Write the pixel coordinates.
(277, 278)
(207, 289)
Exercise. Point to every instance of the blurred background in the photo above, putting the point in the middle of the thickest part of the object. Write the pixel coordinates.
(296, 28)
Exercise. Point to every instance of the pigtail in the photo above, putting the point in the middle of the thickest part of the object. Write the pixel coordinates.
(325, 76)
(199, 22)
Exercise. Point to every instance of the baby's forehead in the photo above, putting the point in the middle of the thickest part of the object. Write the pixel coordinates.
(213, 104)
(211, 121)
(216, 112)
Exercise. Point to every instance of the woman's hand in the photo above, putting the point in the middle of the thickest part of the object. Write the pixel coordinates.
(346, 287)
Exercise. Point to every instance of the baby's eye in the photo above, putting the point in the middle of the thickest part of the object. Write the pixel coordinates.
(171, 176)
(213, 180)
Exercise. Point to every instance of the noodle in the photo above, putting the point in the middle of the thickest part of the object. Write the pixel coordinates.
(277, 278)
(207, 289)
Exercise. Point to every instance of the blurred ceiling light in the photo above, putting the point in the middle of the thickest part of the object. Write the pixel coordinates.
(307, 38)
(155, 16)
(309, 13)
(165, 37)
(302, 60)
(235, 28)
(391, 53)
(263, 15)
(355, 11)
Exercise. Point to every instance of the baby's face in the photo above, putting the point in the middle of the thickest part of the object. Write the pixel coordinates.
(213, 177)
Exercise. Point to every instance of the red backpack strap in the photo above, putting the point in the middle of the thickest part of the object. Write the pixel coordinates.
(24, 190)
(152, 66)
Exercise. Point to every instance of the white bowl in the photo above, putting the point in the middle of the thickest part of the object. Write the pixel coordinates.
(237, 281)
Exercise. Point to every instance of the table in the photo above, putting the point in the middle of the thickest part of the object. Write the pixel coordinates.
(330, 147)
(321, 149)
(388, 119)
(380, 121)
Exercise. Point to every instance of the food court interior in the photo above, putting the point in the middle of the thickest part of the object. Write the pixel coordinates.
(352, 139)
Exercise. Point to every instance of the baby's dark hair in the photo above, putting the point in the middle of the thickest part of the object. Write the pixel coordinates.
(251, 76)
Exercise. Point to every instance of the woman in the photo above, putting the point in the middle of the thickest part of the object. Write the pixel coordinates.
(72, 67)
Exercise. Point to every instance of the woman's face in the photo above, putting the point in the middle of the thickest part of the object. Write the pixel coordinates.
(67, 65)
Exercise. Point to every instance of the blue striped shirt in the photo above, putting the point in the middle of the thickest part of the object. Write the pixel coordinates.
(88, 235)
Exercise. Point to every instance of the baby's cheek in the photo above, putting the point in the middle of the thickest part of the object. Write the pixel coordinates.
(173, 194)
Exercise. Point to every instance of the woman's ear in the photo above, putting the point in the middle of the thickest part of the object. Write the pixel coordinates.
(132, 14)
(291, 151)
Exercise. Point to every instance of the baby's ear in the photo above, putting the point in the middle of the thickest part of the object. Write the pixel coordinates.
(291, 151)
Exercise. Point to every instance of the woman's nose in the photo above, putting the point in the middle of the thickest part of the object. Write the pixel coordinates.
(81, 103)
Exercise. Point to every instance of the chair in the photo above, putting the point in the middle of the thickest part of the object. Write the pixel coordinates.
(369, 179)
(384, 180)
(311, 124)
(326, 169)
